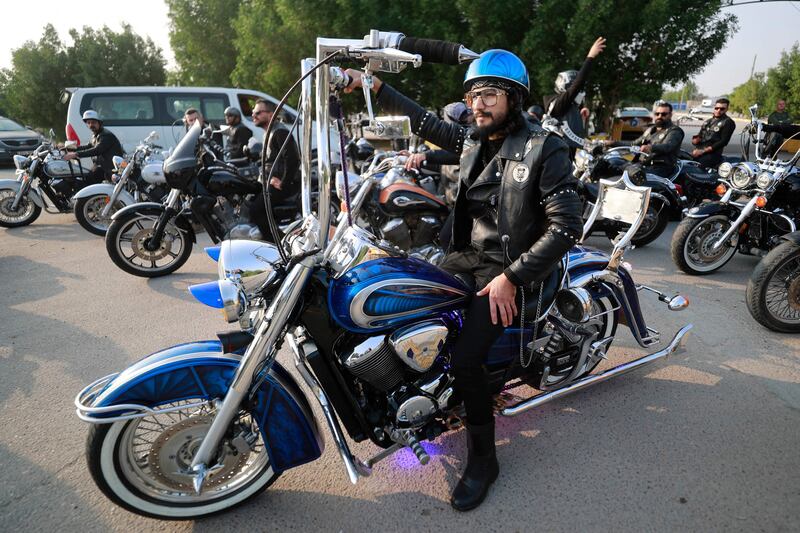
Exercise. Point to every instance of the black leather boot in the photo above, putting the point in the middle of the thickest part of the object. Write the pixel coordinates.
(481, 471)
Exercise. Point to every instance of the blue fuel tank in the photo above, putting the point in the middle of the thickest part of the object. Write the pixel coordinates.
(391, 291)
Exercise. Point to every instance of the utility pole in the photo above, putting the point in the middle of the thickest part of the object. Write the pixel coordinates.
(753, 68)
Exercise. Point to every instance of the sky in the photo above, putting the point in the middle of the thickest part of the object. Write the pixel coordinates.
(765, 29)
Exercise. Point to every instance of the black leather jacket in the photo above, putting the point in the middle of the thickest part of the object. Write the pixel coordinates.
(287, 166)
(538, 208)
(238, 136)
(716, 133)
(102, 148)
(665, 143)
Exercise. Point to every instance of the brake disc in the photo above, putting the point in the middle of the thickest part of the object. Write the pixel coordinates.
(140, 238)
(171, 454)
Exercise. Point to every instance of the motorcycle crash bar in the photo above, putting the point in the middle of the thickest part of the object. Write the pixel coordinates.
(675, 346)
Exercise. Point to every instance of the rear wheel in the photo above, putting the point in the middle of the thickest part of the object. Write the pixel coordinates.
(89, 211)
(144, 464)
(773, 292)
(692, 245)
(26, 212)
(129, 246)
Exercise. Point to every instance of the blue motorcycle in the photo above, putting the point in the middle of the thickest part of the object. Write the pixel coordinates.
(198, 428)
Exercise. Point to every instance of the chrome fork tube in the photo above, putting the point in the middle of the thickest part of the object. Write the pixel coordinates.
(173, 198)
(25, 184)
(746, 212)
(305, 112)
(323, 148)
(118, 188)
(260, 350)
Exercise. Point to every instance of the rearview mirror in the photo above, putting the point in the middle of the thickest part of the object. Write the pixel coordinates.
(153, 136)
(117, 160)
(52, 134)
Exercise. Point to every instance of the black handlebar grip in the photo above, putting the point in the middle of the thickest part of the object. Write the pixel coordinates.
(432, 50)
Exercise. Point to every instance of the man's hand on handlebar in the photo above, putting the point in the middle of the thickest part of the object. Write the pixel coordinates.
(415, 161)
(646, 148)
(356, 82)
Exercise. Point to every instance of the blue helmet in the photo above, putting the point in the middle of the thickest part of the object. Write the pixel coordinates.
(500, 65)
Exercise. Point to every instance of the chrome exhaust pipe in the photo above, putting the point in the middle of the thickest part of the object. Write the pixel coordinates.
(675, 346)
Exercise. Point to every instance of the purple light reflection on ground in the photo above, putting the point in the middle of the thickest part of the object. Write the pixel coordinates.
(405, 459)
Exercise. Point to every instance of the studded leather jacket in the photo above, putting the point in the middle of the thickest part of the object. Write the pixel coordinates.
(538, 211)
(716, 133)
(665, 143)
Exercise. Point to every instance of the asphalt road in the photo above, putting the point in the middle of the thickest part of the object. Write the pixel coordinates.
(704, 441)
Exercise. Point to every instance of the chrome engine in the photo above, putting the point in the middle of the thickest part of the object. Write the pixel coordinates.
(384, 360)
(235, 219)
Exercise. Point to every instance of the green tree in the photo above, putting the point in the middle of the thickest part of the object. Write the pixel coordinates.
(753, 91)
(765, 89)
(40, 70)
(202, 37)
(688, 91)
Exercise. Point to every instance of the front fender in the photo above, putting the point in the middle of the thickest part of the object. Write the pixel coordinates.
(713, 208)
(792, 237)
(14, 185)
(104, 189)
(135, 207)
(202, 370)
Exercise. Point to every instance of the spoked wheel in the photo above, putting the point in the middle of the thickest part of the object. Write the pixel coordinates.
(692, 245)
(26, 212)
(653, 225)
(773, 292)
(144, 464)
(89, 211)
(129, 244)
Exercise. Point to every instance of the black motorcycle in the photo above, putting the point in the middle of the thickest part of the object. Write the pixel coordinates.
(45, 181)
(150, 239)
(666, 202)
(773, 292)
(760, 203)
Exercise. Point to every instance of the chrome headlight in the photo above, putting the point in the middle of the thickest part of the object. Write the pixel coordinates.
(21, 162)
(119, 163)
(764, 180)
(353, 183)
(574, 304)
(743, 176)
(251, 264)
(725, 170)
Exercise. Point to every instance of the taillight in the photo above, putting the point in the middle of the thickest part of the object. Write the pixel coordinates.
(71, 135)
(679, 188)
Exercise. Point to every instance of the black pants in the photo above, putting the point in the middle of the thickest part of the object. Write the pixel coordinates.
(478, 334)
(665, 171)
(709, 160)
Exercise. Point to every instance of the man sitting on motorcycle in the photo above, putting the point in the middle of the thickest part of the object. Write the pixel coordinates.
(661, 142)
(237, 133)
(102, 148)
(714, 136)
(516, 214)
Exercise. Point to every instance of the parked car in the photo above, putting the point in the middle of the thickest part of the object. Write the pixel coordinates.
(16, 139)
(630, 122)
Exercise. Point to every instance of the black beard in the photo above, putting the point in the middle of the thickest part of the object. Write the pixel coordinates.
(660, 123)
(484, 132)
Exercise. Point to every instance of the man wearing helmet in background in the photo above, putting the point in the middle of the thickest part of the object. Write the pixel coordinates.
(237, 133)
(535, 114)
(516, 214)
(102, 148)
(565, 105)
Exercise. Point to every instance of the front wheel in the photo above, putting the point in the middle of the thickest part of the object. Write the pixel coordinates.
(128, 243)
(26, 212)
(692, 245)
(89, 211)
(144, 464)
(773, 292)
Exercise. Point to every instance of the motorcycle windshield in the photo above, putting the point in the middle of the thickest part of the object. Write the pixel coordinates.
(185, 152)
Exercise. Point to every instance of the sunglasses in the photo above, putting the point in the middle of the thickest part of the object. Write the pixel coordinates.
(488, 96)
(256, 113)
(666, 114)
(720, 108)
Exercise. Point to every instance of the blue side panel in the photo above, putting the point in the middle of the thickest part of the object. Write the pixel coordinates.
(288, 427)
(389, 292)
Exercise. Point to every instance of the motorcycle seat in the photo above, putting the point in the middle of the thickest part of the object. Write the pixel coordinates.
(698, 174)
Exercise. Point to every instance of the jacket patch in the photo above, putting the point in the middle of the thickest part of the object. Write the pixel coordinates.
(520, 173)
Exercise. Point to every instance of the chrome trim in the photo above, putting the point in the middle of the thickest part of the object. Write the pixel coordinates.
(251, 264)
(355, 468)
(675, 346)
(746, 212)
(363, 320)
(307, 123)
(418, 345)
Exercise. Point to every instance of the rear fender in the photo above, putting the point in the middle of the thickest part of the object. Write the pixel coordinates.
(202, 370)
(14, 185)
(104, 189)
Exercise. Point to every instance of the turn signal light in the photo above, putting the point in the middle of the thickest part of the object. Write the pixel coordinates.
(721, 189)
(761, 202)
